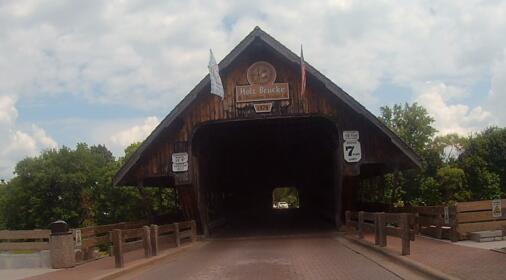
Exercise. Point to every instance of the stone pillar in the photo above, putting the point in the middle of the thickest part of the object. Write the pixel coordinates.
(61, 248)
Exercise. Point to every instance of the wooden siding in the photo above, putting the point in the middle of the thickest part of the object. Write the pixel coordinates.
(316, 101)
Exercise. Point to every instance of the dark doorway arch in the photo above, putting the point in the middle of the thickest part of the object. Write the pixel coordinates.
(241, 162)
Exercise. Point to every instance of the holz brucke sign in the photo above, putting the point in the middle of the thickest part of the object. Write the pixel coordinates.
(261, 76)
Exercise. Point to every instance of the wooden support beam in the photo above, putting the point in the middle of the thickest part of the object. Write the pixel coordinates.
(177, 235)
(361, 224)
(154, 240)
(146, 241)
(117, 245)
(194, 231)
(405, 233)
(381, 224)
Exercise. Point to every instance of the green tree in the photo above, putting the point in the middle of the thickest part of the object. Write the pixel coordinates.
(76, 186)
(453, 185)
(413, 125)
(484, 162)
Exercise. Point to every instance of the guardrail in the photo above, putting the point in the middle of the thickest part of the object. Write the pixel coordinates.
(149, 238)
(456, 222)
(26, 240)
(91, 237)
(402, 225)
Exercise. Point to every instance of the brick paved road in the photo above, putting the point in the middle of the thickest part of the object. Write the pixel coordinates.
(268, 258)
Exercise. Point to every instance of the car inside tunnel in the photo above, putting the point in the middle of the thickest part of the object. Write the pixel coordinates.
(241, 163)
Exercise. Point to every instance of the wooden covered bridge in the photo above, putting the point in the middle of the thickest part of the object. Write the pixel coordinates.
(226, 156)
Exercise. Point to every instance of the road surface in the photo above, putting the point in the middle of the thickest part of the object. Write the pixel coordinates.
(293, 257)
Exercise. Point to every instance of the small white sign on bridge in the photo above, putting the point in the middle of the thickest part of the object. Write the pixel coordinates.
(351, 135)
(352, 151)
(180, 167)
(179, 157)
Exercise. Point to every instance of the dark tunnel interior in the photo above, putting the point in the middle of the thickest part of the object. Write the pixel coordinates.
(242, 162)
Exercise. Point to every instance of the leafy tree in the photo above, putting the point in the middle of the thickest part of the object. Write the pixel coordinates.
(413, 125)
(453, 186)
(430, 192)
(75, 186)
(484, 162)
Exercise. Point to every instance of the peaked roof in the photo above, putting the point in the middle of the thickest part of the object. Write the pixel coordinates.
(259, 34)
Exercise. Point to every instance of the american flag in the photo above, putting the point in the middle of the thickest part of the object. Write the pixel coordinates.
(302, 73)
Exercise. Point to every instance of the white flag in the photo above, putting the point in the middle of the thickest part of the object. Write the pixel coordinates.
(214, 74)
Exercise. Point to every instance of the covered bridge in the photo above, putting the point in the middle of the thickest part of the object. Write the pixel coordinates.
(224, 157)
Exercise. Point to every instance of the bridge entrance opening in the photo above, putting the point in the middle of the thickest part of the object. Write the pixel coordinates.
(241, 165)
(285, 198)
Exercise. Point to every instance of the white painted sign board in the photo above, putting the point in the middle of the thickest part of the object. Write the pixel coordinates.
(78, 238)
(180, 167)
(179, 157)
(496, 208)
(352, 151)
(446, 215)
(350, 135)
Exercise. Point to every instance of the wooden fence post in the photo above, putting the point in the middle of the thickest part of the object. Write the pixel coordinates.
(417, 222)
(405, 233)
(194, 230)
(376, 229)
(454, 235)
(361, 224)
(154, 240)
(382, 231)
(177, 236)
(146, 241)
(347, 218)
(117, 245)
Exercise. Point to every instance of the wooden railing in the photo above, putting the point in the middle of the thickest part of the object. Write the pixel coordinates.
(456, 222)
(400, 225)
(436, 221)
(477, 216)
(26, 240)
(149, 238)
(94, 236)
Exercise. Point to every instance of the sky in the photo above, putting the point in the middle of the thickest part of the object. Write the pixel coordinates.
(107, 72)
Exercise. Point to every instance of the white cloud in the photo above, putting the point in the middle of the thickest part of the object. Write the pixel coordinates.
(133, 134)
(149, 54)
(496, 100)
(8, 112)
(17, 144)
(451, 118)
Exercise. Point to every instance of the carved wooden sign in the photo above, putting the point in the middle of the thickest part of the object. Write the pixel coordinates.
(263, 107)
(261, 76)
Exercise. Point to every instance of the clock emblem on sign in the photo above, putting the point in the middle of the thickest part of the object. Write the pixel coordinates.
(261, 73)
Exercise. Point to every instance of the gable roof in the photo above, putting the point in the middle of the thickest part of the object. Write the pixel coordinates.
(259, 34)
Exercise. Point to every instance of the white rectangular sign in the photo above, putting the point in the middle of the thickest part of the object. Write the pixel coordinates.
(179, 157)
(350, 135)
(496, 208)
(180, 167)
(78, 238)
(352, 151)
